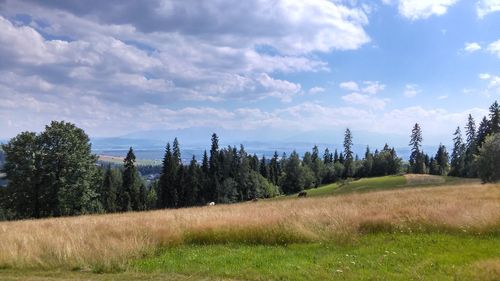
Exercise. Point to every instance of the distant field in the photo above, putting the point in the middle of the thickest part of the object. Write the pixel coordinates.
(385, 183)
(119, 160)
(447, 232)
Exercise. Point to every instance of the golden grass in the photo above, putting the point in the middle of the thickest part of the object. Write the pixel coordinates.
(108, 241)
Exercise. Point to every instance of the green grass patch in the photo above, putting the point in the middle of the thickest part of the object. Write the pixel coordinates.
(372, 257)
(378, 183)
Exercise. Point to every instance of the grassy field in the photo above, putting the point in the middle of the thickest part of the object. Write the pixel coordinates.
(385, 183)
(447, 232)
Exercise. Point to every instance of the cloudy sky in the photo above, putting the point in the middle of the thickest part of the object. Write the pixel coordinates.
(283, 68)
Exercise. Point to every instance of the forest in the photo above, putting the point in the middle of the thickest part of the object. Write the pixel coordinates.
(54, 173)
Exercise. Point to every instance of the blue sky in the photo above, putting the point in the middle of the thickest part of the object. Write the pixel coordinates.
(260, 70)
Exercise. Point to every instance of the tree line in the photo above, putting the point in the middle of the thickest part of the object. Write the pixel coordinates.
(476, 155)
(54, 173)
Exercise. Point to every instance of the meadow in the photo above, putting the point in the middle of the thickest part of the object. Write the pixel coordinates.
(407, 228)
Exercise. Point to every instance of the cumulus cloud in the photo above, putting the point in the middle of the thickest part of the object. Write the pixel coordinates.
(472, 47)
(129, 54)
(422, 9)
(365, 100)
(316, 90)
(494, 48)
(349, 85)
(485, 7)
(411, 90)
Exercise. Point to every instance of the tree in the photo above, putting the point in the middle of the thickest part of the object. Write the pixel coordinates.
(482, 132)
(168, 196)
(417, 164)
(111, 183)
(348, 154)
(130, 190)
(495, 118)
(53, 173)
(293, 180)
(214, 170)
(457, 155)
(488, 160)
(470, 148)
(441, 160)
(22, 156)
(68, 170)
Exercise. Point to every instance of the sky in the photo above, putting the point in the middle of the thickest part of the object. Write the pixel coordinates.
(260, 70)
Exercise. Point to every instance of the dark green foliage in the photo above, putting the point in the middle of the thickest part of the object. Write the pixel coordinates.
(417, 157)
(488, 160)
(52, 174)
(129, 194)
(348, 154)
(458, 155)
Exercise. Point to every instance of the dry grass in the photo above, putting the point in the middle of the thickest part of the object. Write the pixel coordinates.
(108, 241)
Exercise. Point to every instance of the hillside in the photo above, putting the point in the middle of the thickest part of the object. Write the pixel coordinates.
(448, 232)
(385, 183)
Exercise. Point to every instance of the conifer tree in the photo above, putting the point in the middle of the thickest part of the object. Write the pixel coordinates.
(494, 118)
(457, 155)
(129, 193)
(470, 148)
(417, 158)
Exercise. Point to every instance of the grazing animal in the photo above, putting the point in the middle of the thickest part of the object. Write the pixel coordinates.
(211, 204)
(302, 194)
(255, 199)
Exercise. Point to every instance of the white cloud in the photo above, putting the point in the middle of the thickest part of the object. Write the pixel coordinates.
(442, 97)
(372, 87)
(494, 48)
(365, 100)
(316, 90)
(484, 7)
(368, 87)
(277, 88)
(349, 85)
(422, 9)
(484, 76)
(411, 90)
(472, 47)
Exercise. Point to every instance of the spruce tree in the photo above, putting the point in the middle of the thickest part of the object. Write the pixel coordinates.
(494, 118)
(457, 155)
(130, 190)
(417, 164)
(470, 148)
(214, 170)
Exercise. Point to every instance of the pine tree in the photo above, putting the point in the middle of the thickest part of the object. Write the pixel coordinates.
(417, 158)
(457, 155)
(327, 156)
(274, 169)
(130, 190)
(214, 170)
(368, 163)
(110, 186)
(168, 196)
(470, 148)
(494, 118)
(336, 156)
(441, 160)
(264, 168)
(482, 132)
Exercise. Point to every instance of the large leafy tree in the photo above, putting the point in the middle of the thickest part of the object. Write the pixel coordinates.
(23, 171)
(488, 160)
(53, 173)
(68, 169)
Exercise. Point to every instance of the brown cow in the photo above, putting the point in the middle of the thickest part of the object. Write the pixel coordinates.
(303, 194)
